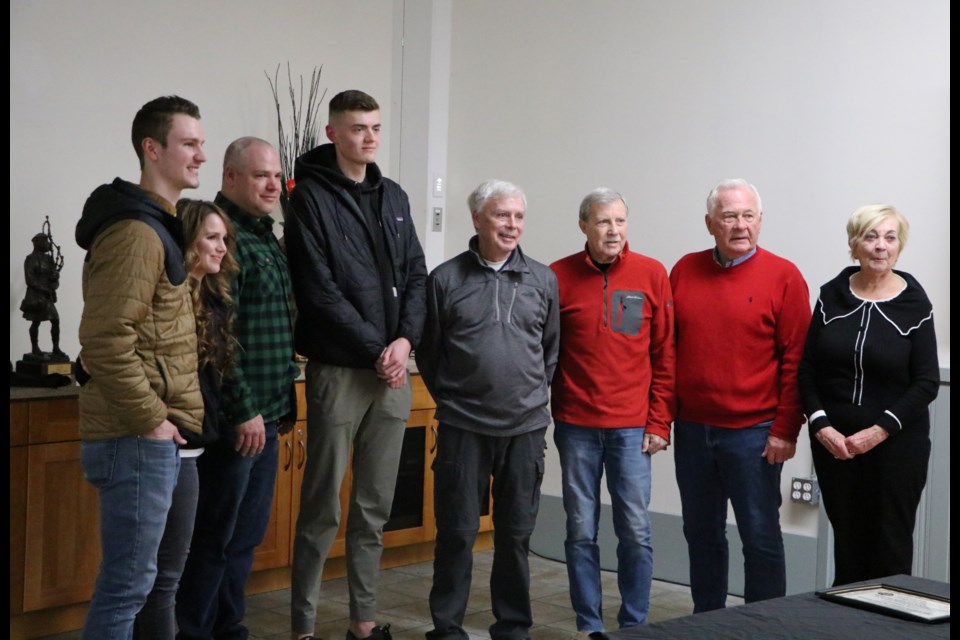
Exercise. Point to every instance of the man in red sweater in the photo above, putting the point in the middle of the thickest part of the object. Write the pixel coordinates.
(613, 400)
(742, 315)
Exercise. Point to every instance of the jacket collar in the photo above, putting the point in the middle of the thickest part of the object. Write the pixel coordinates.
(623, 255)
(906, 311)
(516, 261)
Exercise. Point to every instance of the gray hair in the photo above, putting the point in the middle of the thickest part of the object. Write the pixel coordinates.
(601, 195)
(494, 190)
(727, 185)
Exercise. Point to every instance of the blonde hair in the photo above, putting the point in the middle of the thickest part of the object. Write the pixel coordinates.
(214, 341)
(869, 216)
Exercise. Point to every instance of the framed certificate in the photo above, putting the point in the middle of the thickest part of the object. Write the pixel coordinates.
(892, 601)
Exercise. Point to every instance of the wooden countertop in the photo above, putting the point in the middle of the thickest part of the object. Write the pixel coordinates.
(39, 393)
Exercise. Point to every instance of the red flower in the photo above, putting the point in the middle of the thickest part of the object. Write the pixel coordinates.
(291, 183)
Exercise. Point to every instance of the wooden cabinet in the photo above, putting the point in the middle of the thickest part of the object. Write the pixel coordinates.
(62, 528)
(54, 519)
(58, 550)
(19, 415)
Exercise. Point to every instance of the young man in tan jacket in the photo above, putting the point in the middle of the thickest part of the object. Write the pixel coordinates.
(139, 346)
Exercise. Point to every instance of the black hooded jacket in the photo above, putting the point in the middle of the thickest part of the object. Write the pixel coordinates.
(337, 278)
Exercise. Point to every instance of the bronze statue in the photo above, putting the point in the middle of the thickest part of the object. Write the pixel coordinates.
(42, 270)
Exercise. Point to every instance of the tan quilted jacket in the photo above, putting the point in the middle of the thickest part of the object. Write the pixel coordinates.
(138, 338)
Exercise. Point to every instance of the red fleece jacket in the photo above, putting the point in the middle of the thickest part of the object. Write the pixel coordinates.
(617, 352)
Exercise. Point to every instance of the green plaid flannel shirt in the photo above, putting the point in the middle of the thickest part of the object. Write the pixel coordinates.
(264, 370)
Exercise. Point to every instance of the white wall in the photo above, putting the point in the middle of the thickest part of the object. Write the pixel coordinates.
(824, 105)
(80, 71)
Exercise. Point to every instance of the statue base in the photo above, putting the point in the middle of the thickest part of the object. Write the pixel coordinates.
(45, 363)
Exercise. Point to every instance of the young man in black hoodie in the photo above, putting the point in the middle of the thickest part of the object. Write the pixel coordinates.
(139, 344)
(358, 277)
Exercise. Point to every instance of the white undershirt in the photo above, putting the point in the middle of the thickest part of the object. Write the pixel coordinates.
(496, 266)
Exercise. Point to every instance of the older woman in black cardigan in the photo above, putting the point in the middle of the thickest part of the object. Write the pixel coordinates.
(868, 375)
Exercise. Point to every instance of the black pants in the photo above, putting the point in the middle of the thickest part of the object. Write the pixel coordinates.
(872, 502)
(463, 467)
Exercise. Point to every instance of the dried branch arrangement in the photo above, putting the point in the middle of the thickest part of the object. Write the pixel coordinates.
(305, 127)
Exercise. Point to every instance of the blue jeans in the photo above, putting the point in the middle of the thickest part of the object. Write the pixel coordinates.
(233, 511)
(157, 621)
(714, 465)
(135, 477)
(584, 454)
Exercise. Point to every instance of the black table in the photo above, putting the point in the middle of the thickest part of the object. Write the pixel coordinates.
(804, 616)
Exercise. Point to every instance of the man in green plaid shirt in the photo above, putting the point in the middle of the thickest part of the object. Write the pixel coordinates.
(237, 473)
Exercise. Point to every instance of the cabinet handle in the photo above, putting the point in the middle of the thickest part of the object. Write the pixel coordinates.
(433, 430)
(289, 448)
(302, 446)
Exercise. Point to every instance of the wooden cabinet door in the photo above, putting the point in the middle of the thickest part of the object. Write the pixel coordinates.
(298, 459)
(18, 521)
(276, 548)
(19, 430)
(418, 485)
(62, 528)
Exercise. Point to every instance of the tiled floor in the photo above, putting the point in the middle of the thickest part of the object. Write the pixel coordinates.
(403, 603)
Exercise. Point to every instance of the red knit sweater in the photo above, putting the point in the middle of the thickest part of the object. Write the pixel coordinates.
(617, 352)
(740, 335)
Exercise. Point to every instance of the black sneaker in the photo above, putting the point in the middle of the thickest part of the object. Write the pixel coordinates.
(381, 632)
(598, 635)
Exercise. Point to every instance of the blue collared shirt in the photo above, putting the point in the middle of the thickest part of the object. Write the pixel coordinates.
(735, 261)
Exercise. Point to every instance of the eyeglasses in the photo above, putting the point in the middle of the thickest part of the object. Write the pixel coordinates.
(730, 219)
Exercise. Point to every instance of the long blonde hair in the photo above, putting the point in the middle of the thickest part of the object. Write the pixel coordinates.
(215, 343)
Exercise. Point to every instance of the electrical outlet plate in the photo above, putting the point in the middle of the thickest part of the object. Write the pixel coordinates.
(805, 491)
(437, 219)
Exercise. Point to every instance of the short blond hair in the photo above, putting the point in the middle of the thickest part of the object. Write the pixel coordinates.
(869, 216)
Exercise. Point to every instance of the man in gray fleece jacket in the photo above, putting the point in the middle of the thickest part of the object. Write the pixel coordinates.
(487, 356)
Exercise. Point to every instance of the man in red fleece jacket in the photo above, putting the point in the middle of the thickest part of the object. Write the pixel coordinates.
(742, 315)
(613, 400)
